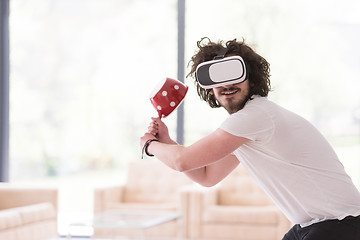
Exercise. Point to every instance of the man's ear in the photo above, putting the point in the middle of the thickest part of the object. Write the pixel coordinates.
(211, 92)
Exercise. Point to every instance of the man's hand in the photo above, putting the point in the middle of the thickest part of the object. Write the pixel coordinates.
(145, 138)
(159, 130)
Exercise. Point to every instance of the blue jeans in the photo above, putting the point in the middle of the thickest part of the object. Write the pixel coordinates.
(346, 229)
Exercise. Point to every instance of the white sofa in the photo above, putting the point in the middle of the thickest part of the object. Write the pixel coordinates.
(27, 213)
(150, 185)
(235, 209)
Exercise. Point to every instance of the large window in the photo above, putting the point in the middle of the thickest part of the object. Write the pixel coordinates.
(80, 79)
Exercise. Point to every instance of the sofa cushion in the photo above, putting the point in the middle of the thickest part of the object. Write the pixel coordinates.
(9, 218)
(36, 212)
(238, 214)
(15, 195)
(235, 196)
(143, 206)
(240, 189)
(152, 182)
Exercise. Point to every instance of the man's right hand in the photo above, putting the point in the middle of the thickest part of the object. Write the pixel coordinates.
(159, 129)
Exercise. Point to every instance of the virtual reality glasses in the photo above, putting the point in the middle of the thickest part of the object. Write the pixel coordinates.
(221, 72)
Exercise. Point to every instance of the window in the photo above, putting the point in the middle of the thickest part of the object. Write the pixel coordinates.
(80, 79)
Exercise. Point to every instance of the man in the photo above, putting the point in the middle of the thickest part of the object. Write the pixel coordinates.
(283, 152)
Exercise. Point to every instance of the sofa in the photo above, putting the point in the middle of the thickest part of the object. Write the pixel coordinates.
(150, 186)
(27, 212)
(234, 209)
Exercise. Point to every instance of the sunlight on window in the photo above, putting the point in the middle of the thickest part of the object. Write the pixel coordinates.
(81, 75)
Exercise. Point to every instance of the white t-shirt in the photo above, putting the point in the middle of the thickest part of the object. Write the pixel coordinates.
(293, 163)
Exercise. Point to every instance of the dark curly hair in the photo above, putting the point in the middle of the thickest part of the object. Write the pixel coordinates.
(258, 68)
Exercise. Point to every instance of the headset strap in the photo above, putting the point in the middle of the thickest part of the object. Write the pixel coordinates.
(221, 54)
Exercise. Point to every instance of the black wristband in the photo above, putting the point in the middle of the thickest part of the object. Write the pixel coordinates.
(146, 145)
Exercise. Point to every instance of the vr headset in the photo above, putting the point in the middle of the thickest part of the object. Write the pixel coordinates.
(221, 72)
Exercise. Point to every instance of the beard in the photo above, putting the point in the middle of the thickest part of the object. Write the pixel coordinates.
(232, 105)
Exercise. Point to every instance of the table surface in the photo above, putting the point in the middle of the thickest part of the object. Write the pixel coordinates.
(140, 219)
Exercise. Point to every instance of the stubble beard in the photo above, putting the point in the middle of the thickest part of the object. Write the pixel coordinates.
(233, 105)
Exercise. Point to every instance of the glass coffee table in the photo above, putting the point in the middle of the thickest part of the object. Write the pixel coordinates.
(140, 220)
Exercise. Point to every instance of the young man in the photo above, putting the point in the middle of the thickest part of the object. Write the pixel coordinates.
(284, 153)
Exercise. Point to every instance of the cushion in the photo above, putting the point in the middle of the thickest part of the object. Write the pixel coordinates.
(152, 182)
(9, 219)
(237, 215)
(36, 212)
(241, 190)
(142, 206)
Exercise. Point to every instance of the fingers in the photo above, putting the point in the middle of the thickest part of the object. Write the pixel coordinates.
(157, 127)
(156, 120)
(153, 128)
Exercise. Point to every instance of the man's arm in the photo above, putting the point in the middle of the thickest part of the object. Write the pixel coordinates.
(212, 174)
(206, 151)
(207, 161)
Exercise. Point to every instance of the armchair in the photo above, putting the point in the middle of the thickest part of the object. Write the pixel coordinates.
(235, 209)
(27, 212)
(150, 185)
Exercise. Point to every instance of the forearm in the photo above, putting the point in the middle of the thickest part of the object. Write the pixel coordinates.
(178, 157)
(168, 153)
(206, 161)
(200, 170)
(212, 174)
(197, 175)
(202, 153)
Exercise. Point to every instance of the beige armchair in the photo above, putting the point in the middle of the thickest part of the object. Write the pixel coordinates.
(150, 185)
(27, 212)
(235, 209)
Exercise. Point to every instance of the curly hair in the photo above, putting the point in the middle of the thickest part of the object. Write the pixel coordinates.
(257, 67)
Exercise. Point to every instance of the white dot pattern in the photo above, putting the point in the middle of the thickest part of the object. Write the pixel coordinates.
(168, 102)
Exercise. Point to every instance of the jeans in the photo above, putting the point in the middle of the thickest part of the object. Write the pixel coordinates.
(346, 229)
